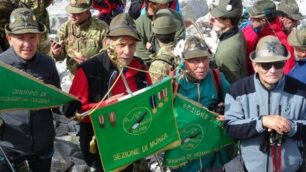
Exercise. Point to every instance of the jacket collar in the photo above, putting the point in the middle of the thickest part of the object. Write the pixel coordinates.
(229, 33)
(18, 59)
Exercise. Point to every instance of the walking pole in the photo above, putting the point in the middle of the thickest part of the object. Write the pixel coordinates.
(159, 163)
(201, 165)
(7, 160)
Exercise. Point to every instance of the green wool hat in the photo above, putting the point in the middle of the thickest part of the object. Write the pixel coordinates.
(23, 20)
(164, 22)
(262, 8)
(123, 25)
(228, 8)
(269, 49)
(194, 48)
(78, 6)
(297, 38)
(291, 9)
(160, 1)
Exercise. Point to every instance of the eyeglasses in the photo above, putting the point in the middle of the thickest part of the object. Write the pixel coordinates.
(277, 65)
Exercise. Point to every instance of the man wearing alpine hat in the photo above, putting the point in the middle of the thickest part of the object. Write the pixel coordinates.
(230, 56)
(266, 112)
(27, 136)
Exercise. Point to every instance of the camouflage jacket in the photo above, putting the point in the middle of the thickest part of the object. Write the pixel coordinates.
(164, 62)
(39, 8)
(144, 28)
(85, 39)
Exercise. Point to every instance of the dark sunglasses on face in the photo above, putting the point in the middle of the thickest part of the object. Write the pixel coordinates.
(277, 65)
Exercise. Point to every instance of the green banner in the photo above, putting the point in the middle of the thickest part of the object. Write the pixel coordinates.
(20, 90)
(200, 132)
(136, 126)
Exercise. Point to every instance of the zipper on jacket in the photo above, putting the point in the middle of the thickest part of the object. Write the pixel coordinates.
(199, 93)
(269, 102)
(258, 110)
(30, 114)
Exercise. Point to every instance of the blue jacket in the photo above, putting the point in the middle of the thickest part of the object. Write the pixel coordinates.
(298, 71)
(205, 93)
(245, 104)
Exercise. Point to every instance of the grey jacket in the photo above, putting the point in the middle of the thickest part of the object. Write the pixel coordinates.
(29, 131)
(245, 104)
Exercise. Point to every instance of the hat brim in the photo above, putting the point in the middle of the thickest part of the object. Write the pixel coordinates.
(267, 59)
(75, 10)
(297, 16)
(216, 12)
(299, 47)
(196, 54)
(292, 40)
(41, 29)
(123, 32)
(254, 15)
(166, 30)
(257, 16)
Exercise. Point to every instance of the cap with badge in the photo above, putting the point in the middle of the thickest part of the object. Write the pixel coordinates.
(123, 25)
(291, 9)
(262, 8)
(195, 47)
(228, 8)
(297, 38)
(164, 22)
(269, 49)
(23, 20)
(78, 6)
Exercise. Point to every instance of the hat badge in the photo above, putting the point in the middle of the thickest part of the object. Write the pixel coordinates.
(25, 18)
(13, 19)
(271, 46)
(229, 7)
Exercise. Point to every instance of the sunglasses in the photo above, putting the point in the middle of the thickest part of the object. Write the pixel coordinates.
(277, 65)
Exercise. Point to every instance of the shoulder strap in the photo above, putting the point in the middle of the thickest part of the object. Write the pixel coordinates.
(217, 82)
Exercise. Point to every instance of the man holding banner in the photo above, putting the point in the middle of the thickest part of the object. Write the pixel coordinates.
(115, 70)
(207, 87)
(27, 135)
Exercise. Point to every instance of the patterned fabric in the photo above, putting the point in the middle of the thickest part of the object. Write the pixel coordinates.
(163, 63)
(85, 39)
(144, 28)
(39, 9)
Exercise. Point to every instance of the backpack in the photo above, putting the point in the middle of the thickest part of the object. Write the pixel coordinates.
(215, 74)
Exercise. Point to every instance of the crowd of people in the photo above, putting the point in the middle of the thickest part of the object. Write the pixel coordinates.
(254, 80)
